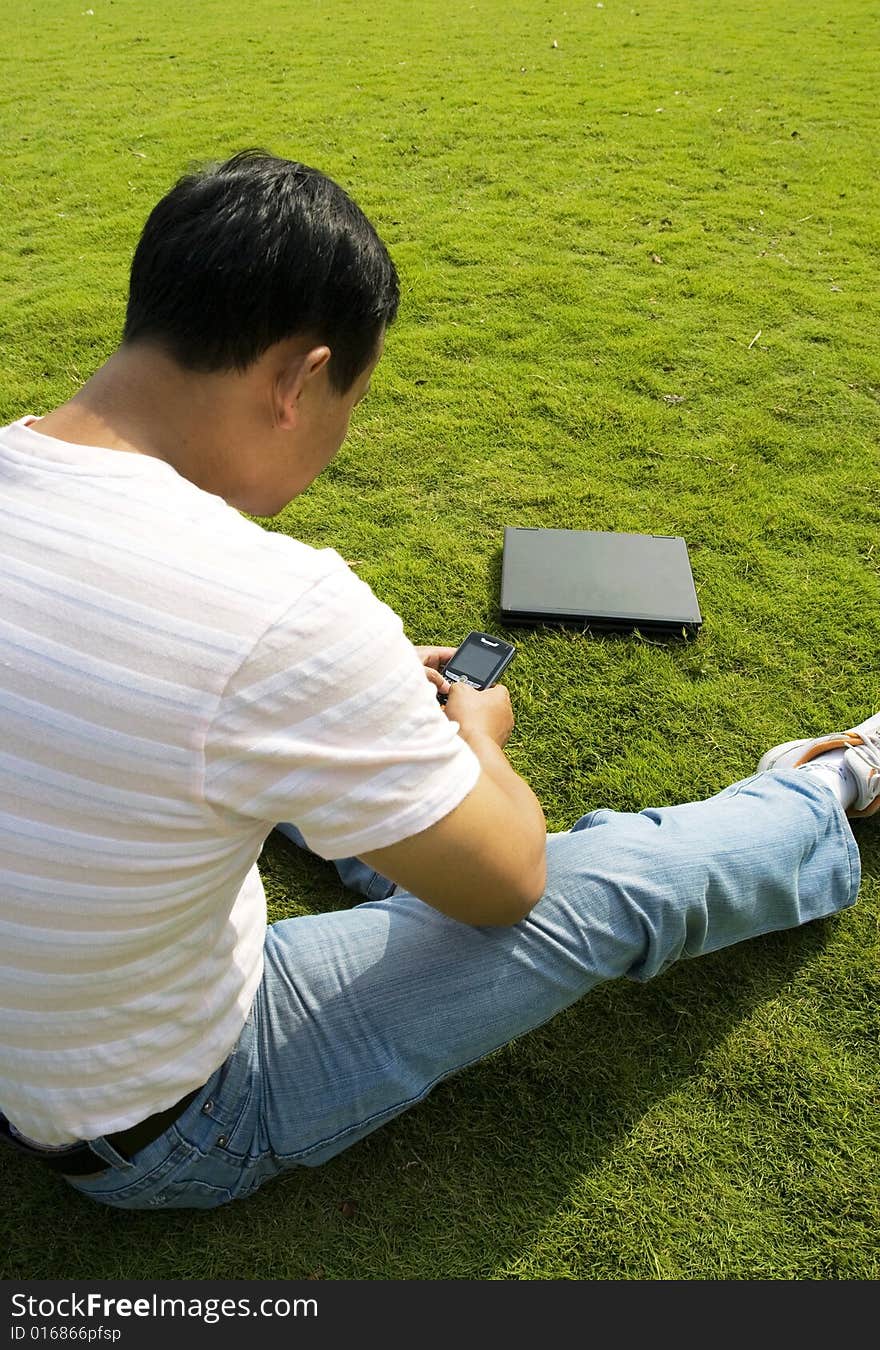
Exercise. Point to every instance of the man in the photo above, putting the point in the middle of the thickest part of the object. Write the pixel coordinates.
(174, 680)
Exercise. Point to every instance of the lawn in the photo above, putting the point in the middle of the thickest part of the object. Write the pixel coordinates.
(637, 244)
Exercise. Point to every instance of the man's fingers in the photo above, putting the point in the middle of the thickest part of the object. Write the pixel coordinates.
(434, 657)
(435, 678)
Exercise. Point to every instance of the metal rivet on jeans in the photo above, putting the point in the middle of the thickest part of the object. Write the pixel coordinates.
(208, 1108)
(222, 1141)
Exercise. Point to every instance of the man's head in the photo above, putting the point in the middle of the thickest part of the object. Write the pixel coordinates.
(259, 299)
(255, 251)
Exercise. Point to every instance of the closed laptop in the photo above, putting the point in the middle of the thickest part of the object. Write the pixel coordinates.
(604, 580)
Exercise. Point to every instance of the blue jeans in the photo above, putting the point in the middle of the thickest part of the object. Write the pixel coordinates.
(361, 1012)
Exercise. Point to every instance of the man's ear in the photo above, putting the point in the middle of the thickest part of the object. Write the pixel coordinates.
(294, 378)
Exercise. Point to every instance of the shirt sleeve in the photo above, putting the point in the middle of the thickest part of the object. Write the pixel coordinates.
(332, 725)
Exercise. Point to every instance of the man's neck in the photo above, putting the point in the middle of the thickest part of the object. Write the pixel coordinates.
(140, 402)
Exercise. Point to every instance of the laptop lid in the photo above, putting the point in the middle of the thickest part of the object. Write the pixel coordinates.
(597, 579)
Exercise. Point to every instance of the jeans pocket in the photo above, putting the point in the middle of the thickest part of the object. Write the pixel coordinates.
(186, 1194)
(194, 1181)
(121, 1190)
(234, 1140)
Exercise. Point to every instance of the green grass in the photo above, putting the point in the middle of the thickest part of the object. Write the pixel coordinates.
(591, 236)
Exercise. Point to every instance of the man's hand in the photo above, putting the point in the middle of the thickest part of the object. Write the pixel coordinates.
(485, 710)
(432, 658)
(476, 711)
(484, 863)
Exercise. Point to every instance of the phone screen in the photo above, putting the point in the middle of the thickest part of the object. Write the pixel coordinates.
(480, 658)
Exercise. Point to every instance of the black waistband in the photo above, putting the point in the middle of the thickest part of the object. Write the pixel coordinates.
(80, 1161)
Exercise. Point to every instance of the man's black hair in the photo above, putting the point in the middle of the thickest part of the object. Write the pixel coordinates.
(255, 250)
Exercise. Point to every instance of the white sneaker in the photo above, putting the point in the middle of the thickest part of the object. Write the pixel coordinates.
(861, 755)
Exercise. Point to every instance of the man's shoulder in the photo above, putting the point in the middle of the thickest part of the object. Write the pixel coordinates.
(239, 552)
(288, 556)
(299, 593)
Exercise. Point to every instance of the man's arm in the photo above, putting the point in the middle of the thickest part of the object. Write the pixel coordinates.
(485, 862)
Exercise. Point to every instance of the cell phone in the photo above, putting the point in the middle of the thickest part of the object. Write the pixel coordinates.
(478, 662)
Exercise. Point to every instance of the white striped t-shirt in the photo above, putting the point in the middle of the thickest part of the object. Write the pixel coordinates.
(174, 680)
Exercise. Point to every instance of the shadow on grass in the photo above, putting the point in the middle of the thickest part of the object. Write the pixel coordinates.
(463, 1184)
